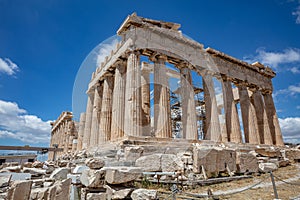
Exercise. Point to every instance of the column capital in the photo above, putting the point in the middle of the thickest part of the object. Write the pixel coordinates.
(226, 78)
(265, 91)
(158, 57)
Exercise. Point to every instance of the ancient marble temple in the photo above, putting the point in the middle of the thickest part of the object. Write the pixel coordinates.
(130, 94)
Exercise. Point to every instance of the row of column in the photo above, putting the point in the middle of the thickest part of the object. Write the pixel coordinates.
(107, 117)
(259, 118)
(65, 137)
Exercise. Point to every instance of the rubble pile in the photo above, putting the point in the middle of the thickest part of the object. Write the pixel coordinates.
(114, 174)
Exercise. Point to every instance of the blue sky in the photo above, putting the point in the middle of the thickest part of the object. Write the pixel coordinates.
(43, 44)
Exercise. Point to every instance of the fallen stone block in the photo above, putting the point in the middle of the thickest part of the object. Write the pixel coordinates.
(94, 163)
(171, 163)
(119, 175)
(133, 153)
(93, 178)
(34, 171)
(4, 180)
(267, 167)
(79, 169)
(96, 196)
(293, 154)
(117, 192)
(16, 169)
(60, 173)
(37, 164)
(19, 190)
(75, 178)
(63, 189)
(246, 162)
(150, 163)
(39, 193)
(144, 194)
(268, 152)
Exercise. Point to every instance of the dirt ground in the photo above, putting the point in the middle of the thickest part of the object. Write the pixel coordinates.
(289, 190)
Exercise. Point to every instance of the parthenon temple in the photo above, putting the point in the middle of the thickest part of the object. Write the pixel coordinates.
(159, 83)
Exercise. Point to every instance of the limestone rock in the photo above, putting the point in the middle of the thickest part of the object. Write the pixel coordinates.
(94, 163)
(117, 192)
(268, 152)
(267, 167)
(119, 175)
(96, 196)
(62, 163)
(144, 194)
(171, 163)
(246, 162)
(63, 189)
(60, 173)
(150, 163)
(75, 178)
(93, 178)
(39, 193)
(37, 164)
(214, 160)
(27, 164)
(133, 153)
(4, 180)
(16, 169)
(79, 169)
(293, 154)
(20, 190)
(34, 171)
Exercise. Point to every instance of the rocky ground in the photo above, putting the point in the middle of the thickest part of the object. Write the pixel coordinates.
(148, 171)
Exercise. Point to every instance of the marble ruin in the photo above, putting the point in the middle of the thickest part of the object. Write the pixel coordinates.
(64, 135)
(130, 94)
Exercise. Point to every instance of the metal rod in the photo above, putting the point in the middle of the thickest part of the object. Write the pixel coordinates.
(274, 186)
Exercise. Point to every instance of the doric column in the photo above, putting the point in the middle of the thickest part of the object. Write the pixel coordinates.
(262, 121)
(248, 115)
(106, 110)
(145, 91)
(273, 119)
(88, 120)
(189, 120)
(118, 107)
(162, 116)
(231, 115)
(96, 115)
(212, 124)
(133, 111)
(81, 131)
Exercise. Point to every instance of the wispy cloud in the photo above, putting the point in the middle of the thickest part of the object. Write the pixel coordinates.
(297, 14)
(290, 128)
(276, 60)
(8, 67)
(290, 90)
(15, 123)
(105, 51)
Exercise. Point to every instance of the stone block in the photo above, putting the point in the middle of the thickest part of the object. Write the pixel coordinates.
(293, 154)
(93, 178)
(117, 192)
(34, 171)
(150, 163)
(37, 164)
(19, 190)
(79, 169)
(60, 173)
(246, 162)
(75, 178)
(39, 193)
(267, 167)
(171, 163)
(96, 196)
(94, 163)
(144, 194)
(268, 152)
(133, 153)
(214, 160)
(63, 189)
(4, 180)
(119, 175)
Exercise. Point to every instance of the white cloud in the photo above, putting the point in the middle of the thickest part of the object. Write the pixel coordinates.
(297, 14)
(291, 90)
(275, 59)
(17, 124)
(290, 128)
(295, 70)
(105, 51)
(8, 67)
(298, 107)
